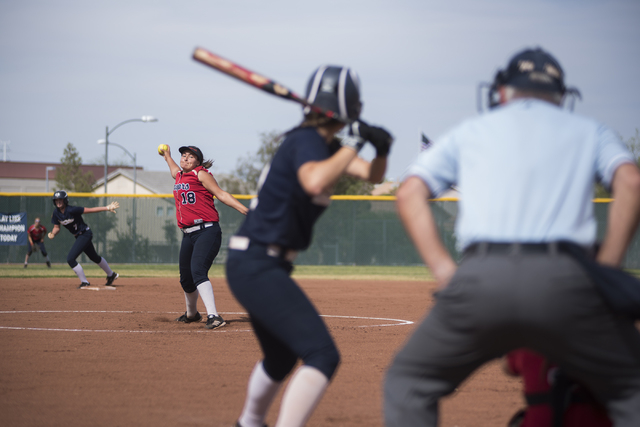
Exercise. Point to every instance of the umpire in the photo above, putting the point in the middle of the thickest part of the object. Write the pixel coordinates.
(526, 172)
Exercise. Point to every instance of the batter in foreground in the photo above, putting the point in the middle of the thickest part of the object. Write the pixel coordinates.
(294, 191)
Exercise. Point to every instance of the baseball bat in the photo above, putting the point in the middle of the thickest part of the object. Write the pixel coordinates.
(254, 79)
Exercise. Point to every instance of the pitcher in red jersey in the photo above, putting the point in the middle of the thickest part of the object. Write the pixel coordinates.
(197, 217)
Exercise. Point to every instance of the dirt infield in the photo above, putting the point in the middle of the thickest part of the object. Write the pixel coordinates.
(74, 357)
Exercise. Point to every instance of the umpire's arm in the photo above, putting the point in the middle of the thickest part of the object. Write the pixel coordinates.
(624, 215)
(412, 202)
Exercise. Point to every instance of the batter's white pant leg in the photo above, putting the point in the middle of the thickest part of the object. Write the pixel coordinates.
(206, 293)
(306, 388)
(260, 394)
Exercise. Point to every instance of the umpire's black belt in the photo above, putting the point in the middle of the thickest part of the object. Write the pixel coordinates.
(198, 227)
(242, 243)
(491, 248)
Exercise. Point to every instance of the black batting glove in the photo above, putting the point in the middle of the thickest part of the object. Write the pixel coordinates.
(377, 136)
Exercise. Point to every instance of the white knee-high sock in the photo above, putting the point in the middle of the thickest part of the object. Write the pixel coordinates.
(192, 303)
(104, 265)
(260, 394)
(80, 273)
(306, 388)
(206, 293)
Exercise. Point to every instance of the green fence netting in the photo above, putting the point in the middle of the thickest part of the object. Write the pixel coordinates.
(351, 232)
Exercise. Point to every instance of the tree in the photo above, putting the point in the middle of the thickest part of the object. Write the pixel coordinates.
(69, 175)
(244, 179)
(633, 143)
(351, 186)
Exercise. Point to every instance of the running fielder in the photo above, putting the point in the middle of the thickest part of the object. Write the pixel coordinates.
(71, 218)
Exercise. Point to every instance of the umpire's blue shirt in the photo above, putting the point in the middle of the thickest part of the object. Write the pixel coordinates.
(283, 213)
(525, 171)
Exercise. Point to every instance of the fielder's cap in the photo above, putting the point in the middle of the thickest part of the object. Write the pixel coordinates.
(533, 69)
(194, 150)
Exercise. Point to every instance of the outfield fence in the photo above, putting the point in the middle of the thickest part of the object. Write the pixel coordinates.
(355, 230)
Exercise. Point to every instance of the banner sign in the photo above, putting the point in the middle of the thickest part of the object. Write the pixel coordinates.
(13, 229)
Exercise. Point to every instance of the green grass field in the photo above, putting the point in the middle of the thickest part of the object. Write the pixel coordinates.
(357, 272)
(217, 270)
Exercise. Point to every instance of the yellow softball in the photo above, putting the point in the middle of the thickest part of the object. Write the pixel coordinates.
(162, 148)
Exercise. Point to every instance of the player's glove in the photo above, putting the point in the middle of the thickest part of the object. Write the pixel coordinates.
(111, 207)
(377, 136)
(353, 139)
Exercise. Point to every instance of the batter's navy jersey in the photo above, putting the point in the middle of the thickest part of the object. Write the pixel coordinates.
(283, 213)
(71, 219)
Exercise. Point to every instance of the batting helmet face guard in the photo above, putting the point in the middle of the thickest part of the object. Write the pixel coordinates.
(336, 89)
(193, 150)
(61, 194)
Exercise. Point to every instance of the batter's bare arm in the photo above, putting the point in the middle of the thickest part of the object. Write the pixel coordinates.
(210, 183)
(369, 171)
(624, 215)
(412, 202)
(317, 177)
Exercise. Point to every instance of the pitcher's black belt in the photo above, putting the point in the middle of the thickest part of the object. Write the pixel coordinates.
(198, 227)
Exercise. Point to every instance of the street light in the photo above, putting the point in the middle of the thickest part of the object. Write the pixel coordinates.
(133, 156)
(108, 132)
(133, 222)
(49, 168)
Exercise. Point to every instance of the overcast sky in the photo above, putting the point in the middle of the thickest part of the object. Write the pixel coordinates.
(69, 69)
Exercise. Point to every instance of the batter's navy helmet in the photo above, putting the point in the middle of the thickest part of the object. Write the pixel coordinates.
(336, 89)
(61, 194)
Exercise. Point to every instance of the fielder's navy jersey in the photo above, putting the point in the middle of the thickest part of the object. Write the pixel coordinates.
(283, 213)
(71, 219)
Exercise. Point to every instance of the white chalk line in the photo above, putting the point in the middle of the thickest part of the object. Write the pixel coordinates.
(399, 322)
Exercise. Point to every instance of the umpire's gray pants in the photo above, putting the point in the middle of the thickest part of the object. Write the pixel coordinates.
(496, 303)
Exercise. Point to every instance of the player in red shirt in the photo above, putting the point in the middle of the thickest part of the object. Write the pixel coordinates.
(553, 399)
(197, 217)
(36, 234)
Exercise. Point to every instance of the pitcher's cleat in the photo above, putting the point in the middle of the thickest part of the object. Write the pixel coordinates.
(83, 285)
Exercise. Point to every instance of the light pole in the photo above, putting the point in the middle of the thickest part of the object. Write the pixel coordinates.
(145, 119)
(49, 168)
(133, 220)
(133, 157)
(108, 132)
